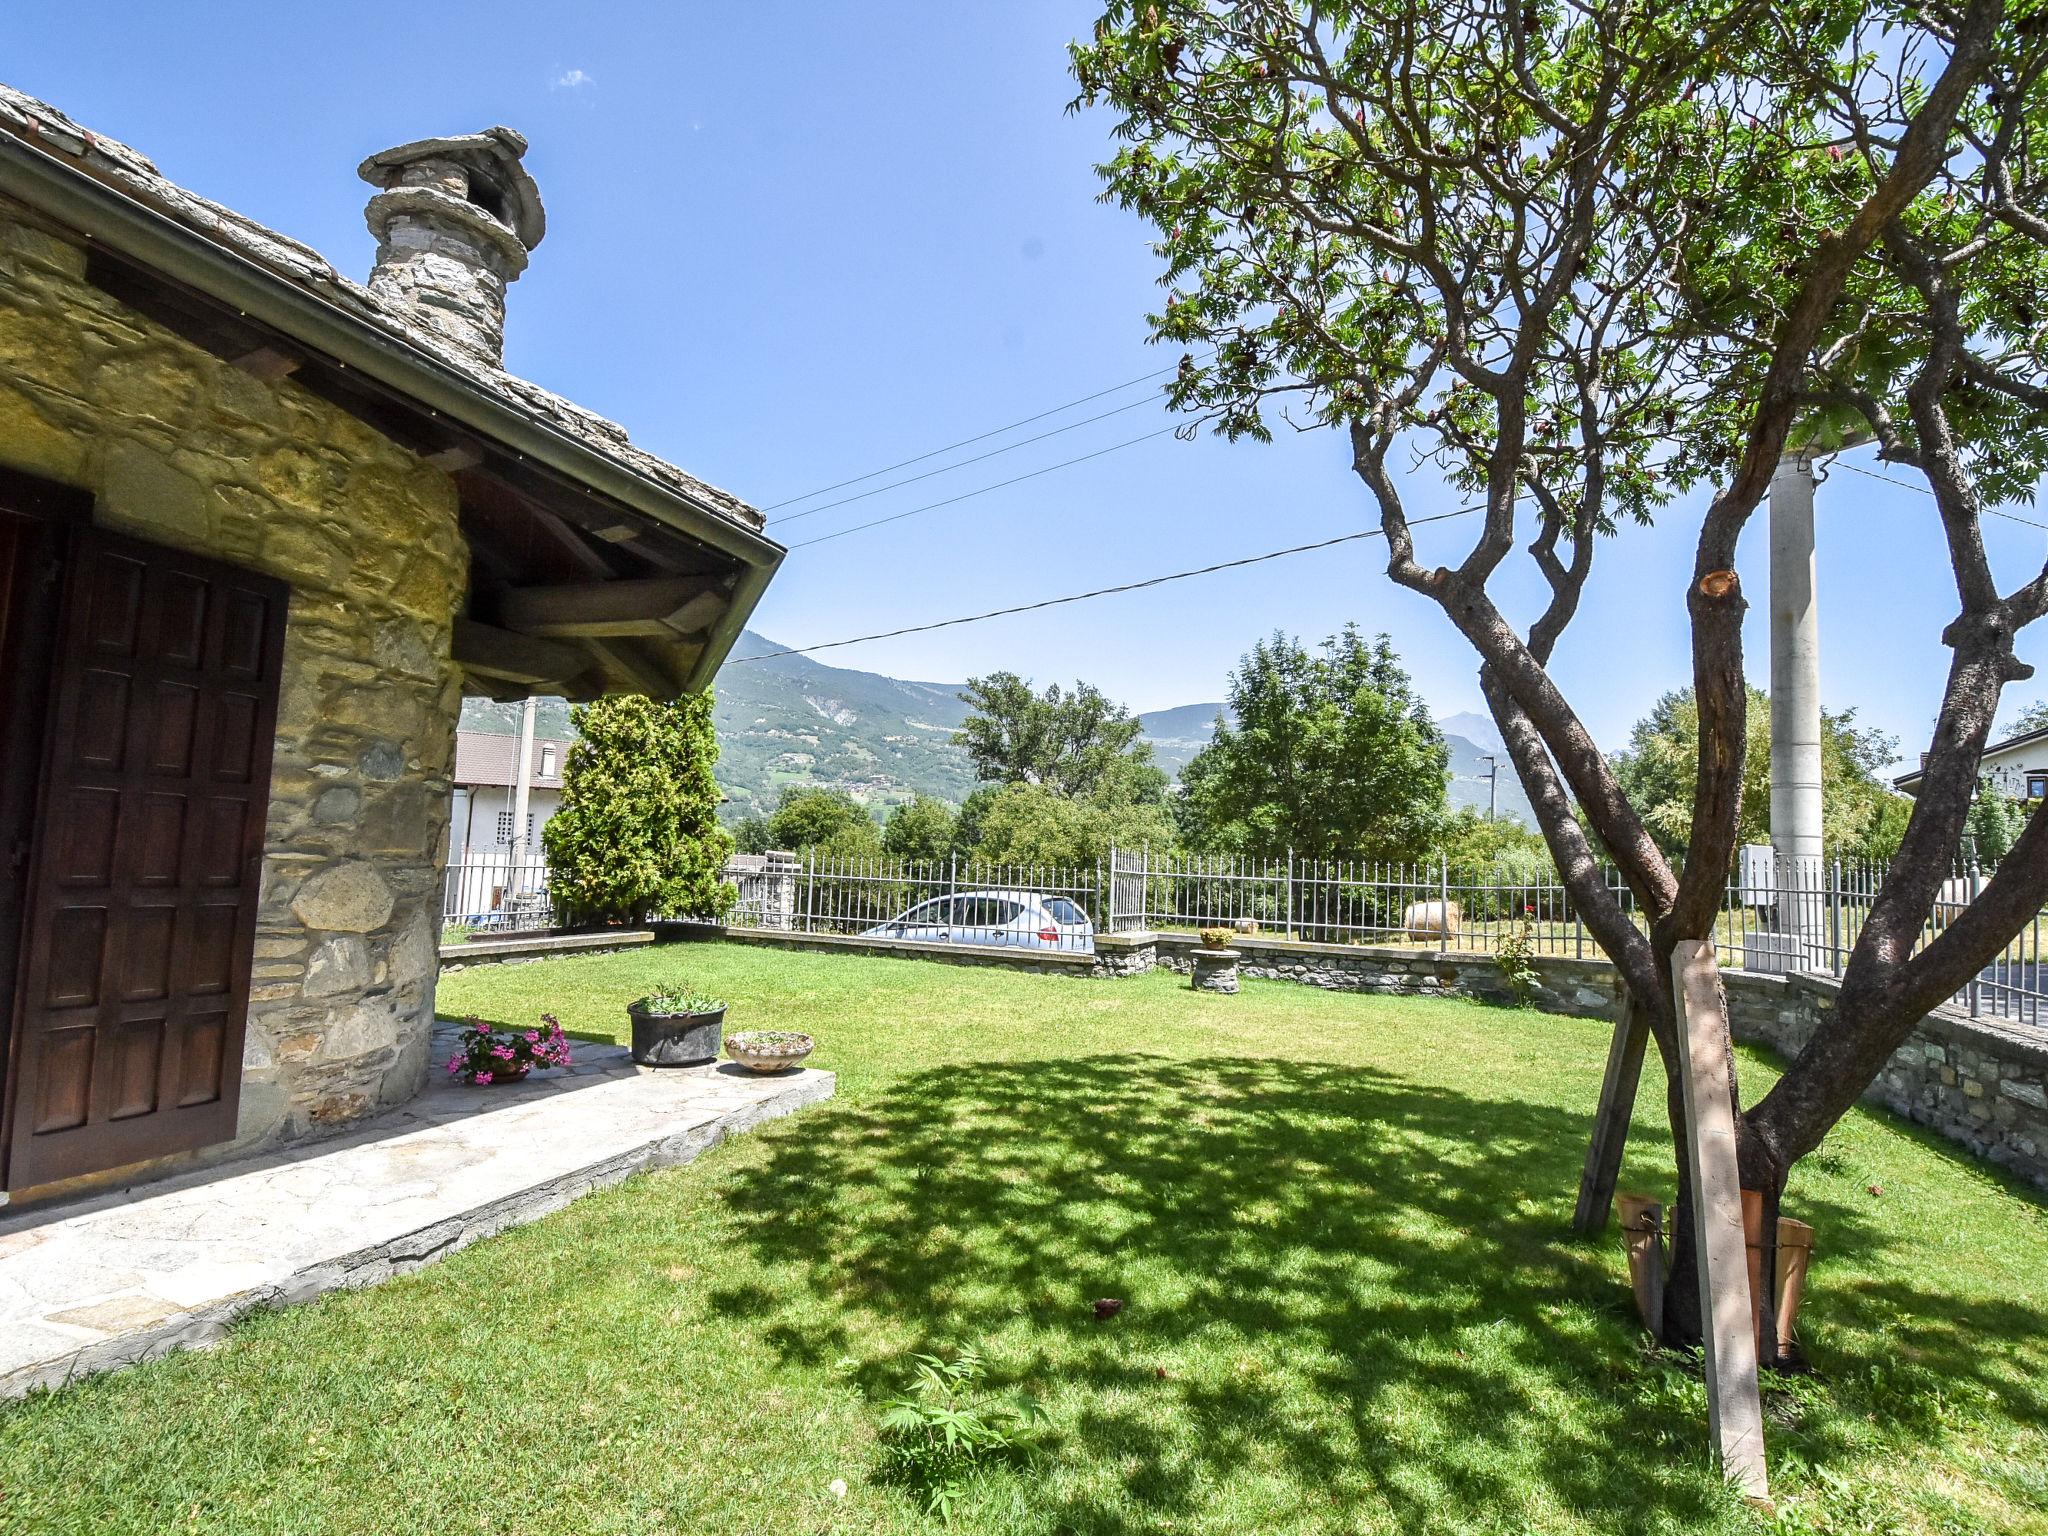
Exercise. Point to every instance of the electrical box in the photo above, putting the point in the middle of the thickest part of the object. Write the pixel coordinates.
(1759, 875)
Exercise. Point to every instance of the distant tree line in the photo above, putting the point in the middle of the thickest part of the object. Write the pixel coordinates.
(1861, 817)
(1328, 751)
(1325, 751)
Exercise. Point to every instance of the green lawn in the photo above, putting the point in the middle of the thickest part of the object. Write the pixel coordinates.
(1340, 1225)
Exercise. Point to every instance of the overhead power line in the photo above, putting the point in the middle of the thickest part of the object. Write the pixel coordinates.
(967, 442)
(1158, 581)
(933, 506)
(1907, 485)
(1082, 597)
(1022, 442)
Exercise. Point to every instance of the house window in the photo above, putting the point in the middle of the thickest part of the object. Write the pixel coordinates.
(505, 824)
(2037, 786)
(547, 761)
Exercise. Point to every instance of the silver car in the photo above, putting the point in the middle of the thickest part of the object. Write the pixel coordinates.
(1012, 919)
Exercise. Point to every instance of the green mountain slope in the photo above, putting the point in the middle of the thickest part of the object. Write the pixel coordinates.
(792, 720)
(1178, 734)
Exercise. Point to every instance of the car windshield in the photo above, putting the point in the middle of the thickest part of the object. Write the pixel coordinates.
(1064, 912)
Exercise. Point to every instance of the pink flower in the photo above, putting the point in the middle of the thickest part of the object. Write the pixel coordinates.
(483, 1079)
(533, 1036)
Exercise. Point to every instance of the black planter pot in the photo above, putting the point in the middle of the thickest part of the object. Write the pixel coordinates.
(676, 1039)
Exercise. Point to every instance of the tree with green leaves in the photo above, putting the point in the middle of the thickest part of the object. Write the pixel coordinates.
(1657, 771)
(921, 828)
(1581, 258)
(2034, 717)
(1075, 743)
(810, 816)
(1996, 821)
(1469, 840)
(1029, 824)
(637, 833)
(750, 834)
(1332, 754)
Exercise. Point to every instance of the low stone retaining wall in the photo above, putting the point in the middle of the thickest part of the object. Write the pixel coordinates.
(539, 946)
(1981, 1082)
(1055, 962)
(1581, 988)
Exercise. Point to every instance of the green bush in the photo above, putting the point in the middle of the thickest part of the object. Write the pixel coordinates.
(921, 829)
(637, 832)
(1030, 824)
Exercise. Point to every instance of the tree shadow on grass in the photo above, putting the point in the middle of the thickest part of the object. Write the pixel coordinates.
(1351, 1294)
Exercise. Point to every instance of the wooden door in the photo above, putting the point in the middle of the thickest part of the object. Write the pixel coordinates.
(31, 563)
(143, 878)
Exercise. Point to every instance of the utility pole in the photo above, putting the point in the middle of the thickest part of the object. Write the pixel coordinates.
(1799, 940)
(1795, 713)
(1492, 785)
(522, 787)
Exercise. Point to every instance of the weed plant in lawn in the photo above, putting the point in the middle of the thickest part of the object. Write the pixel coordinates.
(1339, 1226)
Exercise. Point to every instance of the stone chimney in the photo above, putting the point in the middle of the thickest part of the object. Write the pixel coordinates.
(454, 222)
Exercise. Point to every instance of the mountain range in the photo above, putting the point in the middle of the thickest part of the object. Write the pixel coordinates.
(786, 720)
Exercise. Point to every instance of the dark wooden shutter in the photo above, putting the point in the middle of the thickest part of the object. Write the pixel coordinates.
(143, 888)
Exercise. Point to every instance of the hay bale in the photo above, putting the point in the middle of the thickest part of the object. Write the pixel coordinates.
(1432, 919)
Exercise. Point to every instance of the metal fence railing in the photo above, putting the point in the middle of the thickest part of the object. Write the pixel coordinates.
(945, 901)
(1777, 915)
(495, 894)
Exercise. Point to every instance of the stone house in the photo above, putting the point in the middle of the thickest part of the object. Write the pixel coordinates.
(261, 528)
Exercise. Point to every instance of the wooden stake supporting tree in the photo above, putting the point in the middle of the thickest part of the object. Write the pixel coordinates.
(1720, 1250)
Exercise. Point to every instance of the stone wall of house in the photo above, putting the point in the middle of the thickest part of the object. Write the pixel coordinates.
(182, 449)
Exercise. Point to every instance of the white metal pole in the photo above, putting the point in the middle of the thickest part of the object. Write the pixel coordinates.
(522, 789)
(1795, 709)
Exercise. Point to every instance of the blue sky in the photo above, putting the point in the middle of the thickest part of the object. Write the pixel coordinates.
(787, 245)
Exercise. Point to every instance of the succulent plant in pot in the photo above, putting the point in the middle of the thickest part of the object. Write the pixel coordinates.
(1218, 938)
(675, 1027)
(769, 1050)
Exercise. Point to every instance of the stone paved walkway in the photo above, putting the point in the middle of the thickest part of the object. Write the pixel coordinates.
(127, 1276)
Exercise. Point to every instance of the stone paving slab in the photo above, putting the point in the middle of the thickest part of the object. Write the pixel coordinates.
(104, 1282)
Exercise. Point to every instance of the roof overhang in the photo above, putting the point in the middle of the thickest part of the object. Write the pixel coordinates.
(1909, 783)
(548, 516)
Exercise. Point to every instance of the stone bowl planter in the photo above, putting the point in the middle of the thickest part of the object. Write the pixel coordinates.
(769, 1050)
(1215, 970)
(675, 1039)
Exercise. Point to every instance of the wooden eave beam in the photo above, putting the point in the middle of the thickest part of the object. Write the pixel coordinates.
(512, 657)
(659, 607)
(633, 667)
